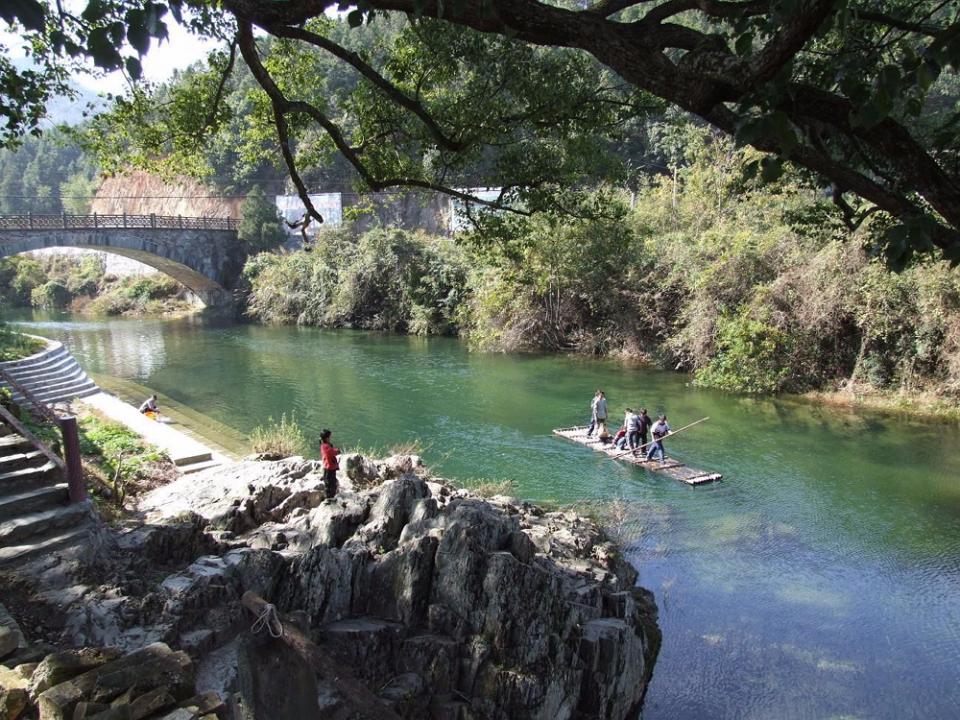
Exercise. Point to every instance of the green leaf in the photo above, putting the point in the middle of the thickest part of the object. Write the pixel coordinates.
(134, 68)
(137, 33)
(28, 13)
(355, 18)
(102, 49)
(94, 11)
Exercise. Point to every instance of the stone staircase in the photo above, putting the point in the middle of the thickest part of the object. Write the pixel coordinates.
(52, 376)
(36, 516)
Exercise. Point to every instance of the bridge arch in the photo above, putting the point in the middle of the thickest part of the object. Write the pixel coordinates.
(203, 254)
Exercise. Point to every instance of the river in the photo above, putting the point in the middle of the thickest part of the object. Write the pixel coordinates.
(820, 579)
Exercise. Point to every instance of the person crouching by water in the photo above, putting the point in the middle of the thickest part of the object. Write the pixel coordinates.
(149, 405)
(328, 454)
(659, 430)
(620, 439)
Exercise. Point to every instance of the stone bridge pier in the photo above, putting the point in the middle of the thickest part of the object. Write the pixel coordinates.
(207, 260)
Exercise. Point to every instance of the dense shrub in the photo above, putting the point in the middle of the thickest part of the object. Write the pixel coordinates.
(386, 279)
(49, 296)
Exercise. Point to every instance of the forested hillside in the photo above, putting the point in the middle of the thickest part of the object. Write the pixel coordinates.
(47, 174)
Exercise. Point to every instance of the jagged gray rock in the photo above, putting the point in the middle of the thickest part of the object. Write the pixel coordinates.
(488, 607)
(450, 605)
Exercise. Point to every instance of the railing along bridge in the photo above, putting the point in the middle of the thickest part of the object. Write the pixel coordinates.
(96, 221)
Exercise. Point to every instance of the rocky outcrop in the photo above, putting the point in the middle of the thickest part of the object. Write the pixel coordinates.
(446, 604)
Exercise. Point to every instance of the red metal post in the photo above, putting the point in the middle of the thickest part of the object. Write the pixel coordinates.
(71, 455)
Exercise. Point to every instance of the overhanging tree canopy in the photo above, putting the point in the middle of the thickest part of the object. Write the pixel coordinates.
(862, 92)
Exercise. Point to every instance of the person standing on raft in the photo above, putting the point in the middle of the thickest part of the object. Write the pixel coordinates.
(644, 422)
(631, 422)
(328, 453)
(599, 411)
(660, 430)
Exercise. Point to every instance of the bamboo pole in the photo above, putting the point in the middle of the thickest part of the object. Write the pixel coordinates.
(669, 434)
(353, 692)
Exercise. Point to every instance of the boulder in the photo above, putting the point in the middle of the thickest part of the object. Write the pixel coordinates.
(274, 682)
(60, 666)
(13, 702)
(11, 638)
(139, 673)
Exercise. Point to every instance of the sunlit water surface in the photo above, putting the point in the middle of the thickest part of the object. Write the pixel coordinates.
(821, 579)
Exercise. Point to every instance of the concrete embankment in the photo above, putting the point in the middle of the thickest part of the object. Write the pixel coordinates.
(188, 454)
(50, 376)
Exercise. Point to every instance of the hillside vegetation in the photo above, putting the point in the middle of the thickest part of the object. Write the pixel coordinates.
(751, 288)
(79, 283)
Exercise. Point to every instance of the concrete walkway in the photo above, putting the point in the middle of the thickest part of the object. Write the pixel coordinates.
(187, 454)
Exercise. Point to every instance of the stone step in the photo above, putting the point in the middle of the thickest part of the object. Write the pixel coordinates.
(186, 460)
(26, 478)
(73, 395)
(14, 444)
(57, 395)
(197, 466)
(32, 361)
(50, 363)
(67, 368)
(18, 461)
(33, 501)
(16, 530)
(48, 542)
(72, 375)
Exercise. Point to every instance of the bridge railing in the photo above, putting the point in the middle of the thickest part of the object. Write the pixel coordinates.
(65, 221)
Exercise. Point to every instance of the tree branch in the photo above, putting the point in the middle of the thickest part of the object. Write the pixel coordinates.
(713, 8)
(218, 96)
(897, 23)
(786, 43)
(388, 88)
(282, 107)
(248, 48)
(606, 8)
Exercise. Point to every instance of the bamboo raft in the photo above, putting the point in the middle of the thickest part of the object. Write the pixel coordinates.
(672, 468)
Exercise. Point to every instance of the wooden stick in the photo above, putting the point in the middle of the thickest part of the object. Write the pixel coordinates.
(669, 434)
(353, 692)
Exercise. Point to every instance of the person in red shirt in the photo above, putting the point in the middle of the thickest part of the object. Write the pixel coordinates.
(330, 466)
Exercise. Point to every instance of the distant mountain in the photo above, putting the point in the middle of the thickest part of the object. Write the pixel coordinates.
(66, 110)
(69, 111)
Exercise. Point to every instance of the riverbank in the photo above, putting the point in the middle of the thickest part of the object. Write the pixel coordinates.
(922, 405)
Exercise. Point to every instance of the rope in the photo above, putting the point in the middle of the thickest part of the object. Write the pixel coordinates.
(268, 619)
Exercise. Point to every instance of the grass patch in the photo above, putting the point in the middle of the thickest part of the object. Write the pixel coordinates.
(119, 463)
(284, 438)
(410, 447)
(16, 346)
(492, 488)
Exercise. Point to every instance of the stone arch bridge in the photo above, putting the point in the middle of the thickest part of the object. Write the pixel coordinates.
(202, 253)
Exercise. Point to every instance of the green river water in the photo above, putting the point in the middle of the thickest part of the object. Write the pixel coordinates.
(820, 579)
